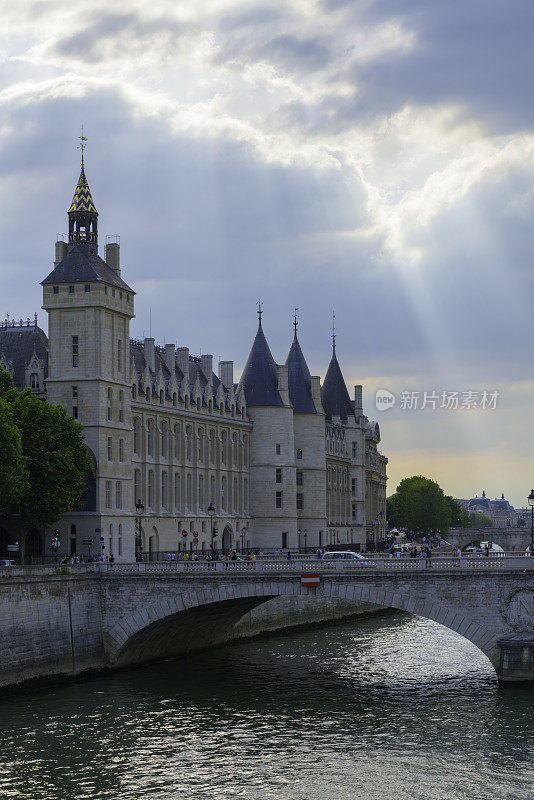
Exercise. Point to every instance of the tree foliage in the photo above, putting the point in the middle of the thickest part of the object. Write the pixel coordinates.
(55, 457)
(480, 520)
(459, 518)
(419, 506)
(13, 472)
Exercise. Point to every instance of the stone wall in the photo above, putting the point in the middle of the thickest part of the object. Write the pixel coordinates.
(50, 624)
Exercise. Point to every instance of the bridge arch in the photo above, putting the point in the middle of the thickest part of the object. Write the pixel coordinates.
(200, 618)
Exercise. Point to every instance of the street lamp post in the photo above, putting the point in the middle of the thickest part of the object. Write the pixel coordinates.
(140, 510)
(305, 540)
(531, 504)
(211, 512)
(243, 531)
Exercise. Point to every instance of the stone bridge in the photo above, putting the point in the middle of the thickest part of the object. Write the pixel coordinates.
(68, 619)
(513, 540)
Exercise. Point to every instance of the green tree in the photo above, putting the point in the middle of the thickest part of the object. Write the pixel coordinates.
(419, 505)
(459, 518)
(55, 457)
(480, 520)
(13, 473)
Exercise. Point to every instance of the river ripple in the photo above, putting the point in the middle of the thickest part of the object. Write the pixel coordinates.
(389, 708)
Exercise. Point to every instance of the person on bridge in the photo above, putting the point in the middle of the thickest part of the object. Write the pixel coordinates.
(428, 556)
(289, 556)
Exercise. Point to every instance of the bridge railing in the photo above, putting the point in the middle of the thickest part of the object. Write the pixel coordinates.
(296, 566)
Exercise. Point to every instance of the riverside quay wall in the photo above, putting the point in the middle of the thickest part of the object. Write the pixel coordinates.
(64, 620)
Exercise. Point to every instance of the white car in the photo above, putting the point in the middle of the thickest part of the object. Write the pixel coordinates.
(8, 562)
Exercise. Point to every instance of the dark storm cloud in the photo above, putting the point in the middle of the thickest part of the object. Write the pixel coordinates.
(472, 52)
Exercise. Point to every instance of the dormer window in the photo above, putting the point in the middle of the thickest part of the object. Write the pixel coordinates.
(34, 381)
(87, 287)
(56, 289)
(71, 289)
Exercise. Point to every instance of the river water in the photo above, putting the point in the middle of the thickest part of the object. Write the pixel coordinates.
(387, 708)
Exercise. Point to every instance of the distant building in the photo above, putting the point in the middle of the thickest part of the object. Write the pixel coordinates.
(500, 512)
(283, 461)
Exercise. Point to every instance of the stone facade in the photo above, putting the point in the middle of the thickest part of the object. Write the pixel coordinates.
(278, 459)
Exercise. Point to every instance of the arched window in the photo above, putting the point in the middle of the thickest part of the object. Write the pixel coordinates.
(213, 499)
(110, 403)
(245, 450)
(151, 488)
(150, 437)
(189, 491)
(177, 491)
(164, 490)
(212, 449)
(224, 493)
(121, 449)
(201, 444)
(164, 440)
(236, 496)
(34, 380)
(177, 441)
(134, 391)
(223, 447)
(137, 485)
(245, 496)
(174, 398)
(161, 397)
(137, 432)
(201, 492)
(189, 442)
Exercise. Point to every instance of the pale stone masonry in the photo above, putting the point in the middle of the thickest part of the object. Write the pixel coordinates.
(283, 461)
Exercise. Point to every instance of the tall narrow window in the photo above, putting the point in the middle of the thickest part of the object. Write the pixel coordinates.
(164, 440)
(354, 449)
(75, 351)
(108, 494)
(177, 492)
(137, 485)
(118, 494)
(110, 448)
(278, 475)
(279, 500)
(137, 431)
(121, 406)
(121, 449)
(150, 437)
(110, 400)
(299, 478)
(164, 490)
(277, 449)
(119, 355)
(119, 541)
(34, 380)
(151, 488)
(300, 500)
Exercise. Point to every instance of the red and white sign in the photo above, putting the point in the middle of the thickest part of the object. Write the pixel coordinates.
(310, 580)
(184, 534)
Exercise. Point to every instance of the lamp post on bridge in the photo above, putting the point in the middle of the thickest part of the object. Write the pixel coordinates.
(211, 512)
(531, 504)
(243, 532)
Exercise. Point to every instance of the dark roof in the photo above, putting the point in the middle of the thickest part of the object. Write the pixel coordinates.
(259, 380)
(299, 377)
(80, 266)
(82, 200)
(18, 344)
(334, 395)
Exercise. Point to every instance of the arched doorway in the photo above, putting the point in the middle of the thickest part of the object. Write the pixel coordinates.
(33, 545)
(5, 539)
(153, 544)
(227, 539)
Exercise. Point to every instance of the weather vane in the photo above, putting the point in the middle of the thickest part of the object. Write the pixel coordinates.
(82, 144)
(260, 310)
(334, 331)
(295, 321)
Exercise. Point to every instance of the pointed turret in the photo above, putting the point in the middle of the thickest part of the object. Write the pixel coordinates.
(334, 395)
(300, 391)
(83, 216)
(259, 380)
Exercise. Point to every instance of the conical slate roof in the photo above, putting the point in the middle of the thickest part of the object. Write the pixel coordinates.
(299, 381)
(259, 380)
(334, 395)
(82, 200)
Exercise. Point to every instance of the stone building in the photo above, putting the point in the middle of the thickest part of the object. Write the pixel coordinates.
(274, 461)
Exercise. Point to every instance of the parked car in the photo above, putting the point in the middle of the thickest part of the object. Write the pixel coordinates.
(7, 562)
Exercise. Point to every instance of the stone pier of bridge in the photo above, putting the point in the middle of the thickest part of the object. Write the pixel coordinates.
(65, 620)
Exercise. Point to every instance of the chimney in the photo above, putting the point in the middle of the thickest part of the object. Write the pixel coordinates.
(112, 256)
(150, 354)
(182, 356)
(358, 406)
(61, 252)
(206, 362)
(226, 373)
(316, 393)
(170, 358)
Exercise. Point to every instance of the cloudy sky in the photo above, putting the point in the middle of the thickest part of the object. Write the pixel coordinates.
(369, 156)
